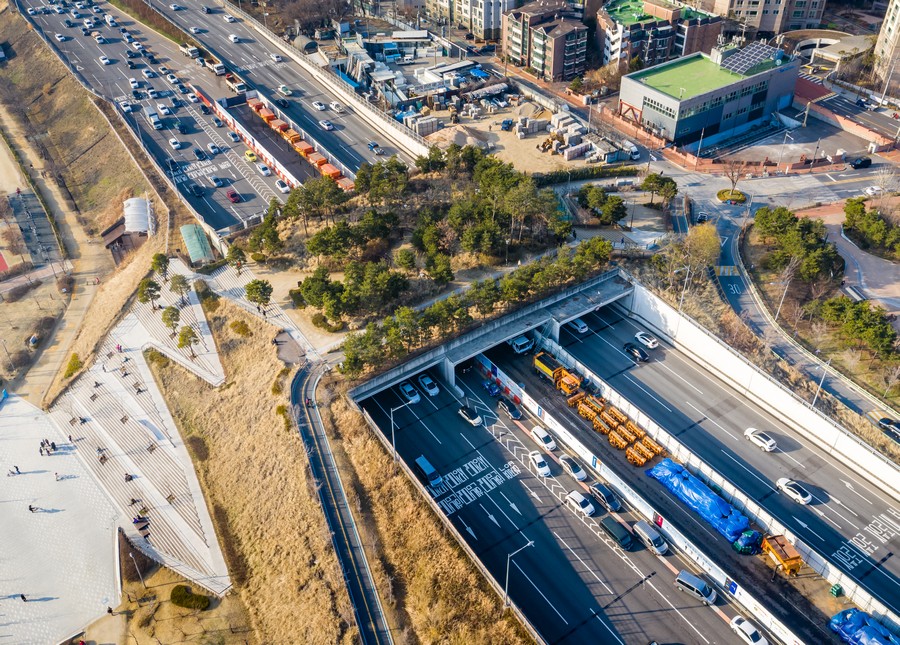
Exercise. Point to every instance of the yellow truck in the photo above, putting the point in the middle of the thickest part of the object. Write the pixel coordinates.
(547, 366)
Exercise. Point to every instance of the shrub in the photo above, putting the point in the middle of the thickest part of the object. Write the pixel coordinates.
(282, 410)
(258, 257)
(277, 388)
(320, 321)
(240, 328)
(20, 359)
(74, 365)
(155, 357)
(297, 298)
(727, 195)
(209, 299)
(208, 269)
(17, 293)
(182, 596)
(588, 172)
(65, 283)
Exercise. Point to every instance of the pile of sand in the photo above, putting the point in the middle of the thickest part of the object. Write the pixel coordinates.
(459, 134)
(529, 109)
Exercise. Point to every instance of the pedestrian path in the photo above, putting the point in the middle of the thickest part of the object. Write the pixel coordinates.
(62, 557)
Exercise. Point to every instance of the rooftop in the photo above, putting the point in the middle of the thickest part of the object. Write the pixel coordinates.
(687, 77)
(631, 12)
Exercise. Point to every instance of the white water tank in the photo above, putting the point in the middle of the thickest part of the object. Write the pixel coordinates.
(137, 215)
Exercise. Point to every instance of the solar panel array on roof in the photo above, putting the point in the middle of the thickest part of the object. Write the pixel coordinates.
(748, 57)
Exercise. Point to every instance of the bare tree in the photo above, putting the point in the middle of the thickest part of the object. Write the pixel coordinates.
(819, 332)
(853, 359)
(890, 377)
(819, 288)
(885, 178)
(733, 170)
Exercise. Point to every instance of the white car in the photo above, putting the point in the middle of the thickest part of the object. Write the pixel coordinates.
(233, 38)
(195, 30)
(214, 150)
(229, 18)
(572, 467)
(794, 490)
(276, 58)
(148, 73)
(105, 60)
(126, 106)
(470, 415)
(284, 89)
(427, 383)
(872, 191)
(234, 136)
(540, 464)
(282, 187)
(137, 46)
(134, 83)
(409, 393)
(580, 503)
(543, 438)
(325, 124)
(164, 109)
(30, 11)
(59, 37)
(318, 105)
(172, 79)
(646, 340)
(760, 439)
(174, 7)
(337, 107)
(100, 40)
(175, 143)
(193, 98)
(263, 170)
(747, 632)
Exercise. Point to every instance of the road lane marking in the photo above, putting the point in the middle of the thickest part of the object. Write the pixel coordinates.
(609, 629)
(664, 366)
(792, 459)
(713, 421)
(647, 392)
(578, 557)
(760, 479)
(542, 593)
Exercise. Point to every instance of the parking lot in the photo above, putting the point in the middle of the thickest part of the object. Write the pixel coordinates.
(573, 583)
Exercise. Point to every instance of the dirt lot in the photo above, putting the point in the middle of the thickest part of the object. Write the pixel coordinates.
(36, 310)
(255, 477)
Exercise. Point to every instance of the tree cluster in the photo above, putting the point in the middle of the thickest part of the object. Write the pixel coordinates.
(265, 237)
(869, 228)
(370, 287)
(345, 240)
(802, 238)
(384, 182)
(656, 184)
(860, 322)
(318, 197)
(409, 329)
(608, 209)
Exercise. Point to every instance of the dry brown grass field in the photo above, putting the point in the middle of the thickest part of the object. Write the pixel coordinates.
(432, 592)
(257, 484)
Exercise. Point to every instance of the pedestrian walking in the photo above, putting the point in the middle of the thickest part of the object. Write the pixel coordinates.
(56, 475)
(31, 508)
(109, 611)
(41, 451)
(53, 443)
(22, 596)
(70, 439)
(18, 472)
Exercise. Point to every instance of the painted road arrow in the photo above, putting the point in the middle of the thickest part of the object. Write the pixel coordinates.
(853, 490)
(806, 526)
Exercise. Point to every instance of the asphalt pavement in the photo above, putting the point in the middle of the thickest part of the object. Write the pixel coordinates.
(877, 121)
(573, 584)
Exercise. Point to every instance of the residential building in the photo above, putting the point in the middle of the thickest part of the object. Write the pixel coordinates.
(887, 49)
(767, 18)
(717, 96)
(654, 31)
(548, 37)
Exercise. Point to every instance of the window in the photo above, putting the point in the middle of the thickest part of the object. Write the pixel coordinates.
(797, 14)
(752, 13)
(800, 3)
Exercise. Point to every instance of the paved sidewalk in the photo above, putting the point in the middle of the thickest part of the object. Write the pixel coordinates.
(63, 555)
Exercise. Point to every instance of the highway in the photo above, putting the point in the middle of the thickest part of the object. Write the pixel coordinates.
(854, 525)
(880, 122)
(572, 583)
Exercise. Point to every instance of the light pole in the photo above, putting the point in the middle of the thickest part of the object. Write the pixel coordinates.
(509, 557)
(786, 286)
(12, 368)
(393, 443)
(131, 555)
(787, 135)
(683, 289)
(887, 83)
(821, 380)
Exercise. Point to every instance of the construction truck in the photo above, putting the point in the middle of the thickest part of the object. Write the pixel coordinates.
(235, 84)
(783, 553)
(189, 50)
(547, 366)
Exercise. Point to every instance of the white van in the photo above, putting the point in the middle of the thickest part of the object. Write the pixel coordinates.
(696, 587)
(521, 344)
(432, 477)
(649, 537)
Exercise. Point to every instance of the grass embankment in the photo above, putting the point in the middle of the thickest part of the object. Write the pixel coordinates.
(430, 589)
(141, 12)
(255, 478)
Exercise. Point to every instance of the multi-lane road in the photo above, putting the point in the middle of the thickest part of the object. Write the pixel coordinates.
(572, 582)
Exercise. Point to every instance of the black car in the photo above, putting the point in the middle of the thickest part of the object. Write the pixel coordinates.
(68, 23)
(151, 58)
(281, 102)
(635, 352)
(861, 162)
(131, 54)
(196, 191)
(201, 156)
(470, 36)
(217, 122)
(130, 64)
(136, 95)
(181, 127)
(85, 31)
(205, 9)
(204, 108)
(509, 408)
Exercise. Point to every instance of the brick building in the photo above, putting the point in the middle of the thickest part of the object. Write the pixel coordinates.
(547, 36)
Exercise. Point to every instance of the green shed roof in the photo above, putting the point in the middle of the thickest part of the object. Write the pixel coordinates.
(197, 245)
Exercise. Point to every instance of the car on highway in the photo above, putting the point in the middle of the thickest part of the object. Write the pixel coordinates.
(571, 466)
(175, 143)
(105, 60)
(747, 632)
(174, 7)
(250, 156)
(606, 497)
(154, 94)
(59, 37)
(540, 464)
(131, 54)
(264, 170)
(793, 490)
(195, 190)
(180, 127)
(646, 340)
(85, 31)
(130, 64)
(337, 107)
(861, 162)
(886, 423)
(232, 195)
(126, 106)
(170, 77)
(760, 439)
(199, 154)
(282, 187)
(217, 122)
(635, 352)
(195, 30)
(193, 98)
(276, 58)
(509, 408)
(204, 109)
(543, 438)
(234, 136)
(229, 18)
(470, 415)
(164, 109)
(213, 148)
(148, 73)
(30, 11)
(492, 388)
(100, 40)
(68, 23)
(138, 47)
(233, 38)
(136, 95)
(873, 191)
(134, 83)
(217, 182)
(428, 385)
(318, 105)
(325, 124)
(281, 102)
(409, 393)
(578, 502)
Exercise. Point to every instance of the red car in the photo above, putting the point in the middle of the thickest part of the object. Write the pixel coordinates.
(233, 197)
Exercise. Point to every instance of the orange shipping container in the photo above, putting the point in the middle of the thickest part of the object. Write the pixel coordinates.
(291, 136)
(317, 159)
(278, 125)
(266, 115)
(304, 148)
(329, 171)
(346, 184)
(255, 104)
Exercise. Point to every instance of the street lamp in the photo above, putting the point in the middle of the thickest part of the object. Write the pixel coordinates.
(509, 557)
(394, 443)
(787, 135)
(683, 289)
(131, 555)
(786, 286)
(821, 380)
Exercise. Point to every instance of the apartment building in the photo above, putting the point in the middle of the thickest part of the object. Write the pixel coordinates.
(655, 31)
(887, 48)
(767, 18)
(548, 37)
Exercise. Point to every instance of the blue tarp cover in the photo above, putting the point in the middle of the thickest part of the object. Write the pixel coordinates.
(859, 628)
(697, 495)
(477, 73)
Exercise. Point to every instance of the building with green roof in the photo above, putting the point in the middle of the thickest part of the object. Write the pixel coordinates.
(710, 97)
(197, 245)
